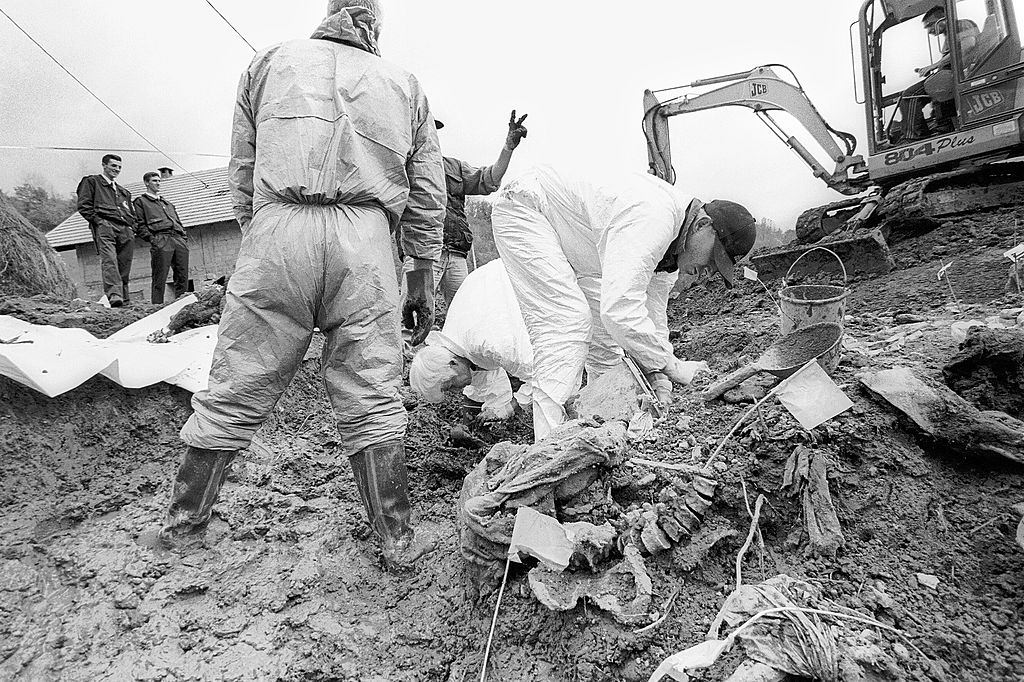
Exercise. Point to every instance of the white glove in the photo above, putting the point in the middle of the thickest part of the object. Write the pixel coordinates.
(683, 371)
(496, 414)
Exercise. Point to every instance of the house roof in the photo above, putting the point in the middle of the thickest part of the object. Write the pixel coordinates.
(197, 205)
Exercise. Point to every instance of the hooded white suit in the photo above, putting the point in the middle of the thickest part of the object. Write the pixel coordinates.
(332, 148)
(587, 261)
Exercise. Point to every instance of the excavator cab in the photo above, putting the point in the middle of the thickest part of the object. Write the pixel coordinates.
(944, 84)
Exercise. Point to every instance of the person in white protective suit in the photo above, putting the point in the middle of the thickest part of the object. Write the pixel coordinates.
(482, 342)
(332, 149)
(593, 264)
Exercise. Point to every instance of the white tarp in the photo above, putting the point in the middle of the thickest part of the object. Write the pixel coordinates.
(48, 359)
(200, 344)
(52, 360)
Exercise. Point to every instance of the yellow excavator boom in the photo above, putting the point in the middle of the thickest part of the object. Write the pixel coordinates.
(762, 90)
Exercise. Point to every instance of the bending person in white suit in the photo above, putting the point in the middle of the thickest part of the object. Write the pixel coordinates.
(592, 265)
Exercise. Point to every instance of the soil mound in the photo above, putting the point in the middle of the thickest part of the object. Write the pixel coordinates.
(28, 264)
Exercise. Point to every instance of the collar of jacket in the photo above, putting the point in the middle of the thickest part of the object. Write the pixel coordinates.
(669, 260)
(153, 198)
(352, 26)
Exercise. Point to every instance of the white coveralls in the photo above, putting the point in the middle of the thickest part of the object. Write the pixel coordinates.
(581, 257)
(485, 326)
(331, 149)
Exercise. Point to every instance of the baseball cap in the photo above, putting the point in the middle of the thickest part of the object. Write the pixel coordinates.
(736, 230)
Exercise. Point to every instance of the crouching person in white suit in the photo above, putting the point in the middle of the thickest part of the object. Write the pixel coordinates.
(483, 341)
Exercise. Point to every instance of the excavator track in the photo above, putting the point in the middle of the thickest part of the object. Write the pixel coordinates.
(924, 202)
(908, 209)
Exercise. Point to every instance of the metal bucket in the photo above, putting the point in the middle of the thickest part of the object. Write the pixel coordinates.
(802, 305)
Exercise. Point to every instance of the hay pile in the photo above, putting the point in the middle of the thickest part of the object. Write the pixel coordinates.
(28, 264)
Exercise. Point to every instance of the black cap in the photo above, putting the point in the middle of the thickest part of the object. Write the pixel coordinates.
(736, 230)
(735, 227)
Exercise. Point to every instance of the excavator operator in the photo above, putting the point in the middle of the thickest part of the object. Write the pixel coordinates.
(937, 86)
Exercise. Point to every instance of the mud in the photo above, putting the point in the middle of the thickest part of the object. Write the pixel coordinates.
(206, 310)
(989, 370)
(289, 587)
(93, 317)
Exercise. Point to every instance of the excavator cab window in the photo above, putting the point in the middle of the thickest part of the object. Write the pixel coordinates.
(995, 46)
(908, 46)
(936, 68)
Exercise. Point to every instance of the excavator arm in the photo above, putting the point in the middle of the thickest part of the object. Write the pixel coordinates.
(762, 90)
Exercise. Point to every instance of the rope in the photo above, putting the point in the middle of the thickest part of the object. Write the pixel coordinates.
(237, 32)
(494, 621)
(97, 97)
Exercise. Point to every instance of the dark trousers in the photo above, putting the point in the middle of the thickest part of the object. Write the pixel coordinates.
(115, 245)
(168, 251)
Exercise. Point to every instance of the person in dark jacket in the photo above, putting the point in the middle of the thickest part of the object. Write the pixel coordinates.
(462, 180)
(107, 207)
(158, 224)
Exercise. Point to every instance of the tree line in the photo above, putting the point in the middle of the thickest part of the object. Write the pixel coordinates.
(38, 205)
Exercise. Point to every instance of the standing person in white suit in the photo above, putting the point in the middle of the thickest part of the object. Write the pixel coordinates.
(592, 265)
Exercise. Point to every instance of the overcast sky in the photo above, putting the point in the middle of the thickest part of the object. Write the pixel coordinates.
(578, 67)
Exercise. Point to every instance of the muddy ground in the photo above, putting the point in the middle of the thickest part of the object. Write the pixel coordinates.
(289, 586)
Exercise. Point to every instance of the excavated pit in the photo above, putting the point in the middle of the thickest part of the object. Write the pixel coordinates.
(289, 586)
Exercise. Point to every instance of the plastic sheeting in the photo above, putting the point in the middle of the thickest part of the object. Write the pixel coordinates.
(53, 360)
(539, 476)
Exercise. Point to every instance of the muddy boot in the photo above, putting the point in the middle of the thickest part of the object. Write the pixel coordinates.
(200, 477)
(383, 483)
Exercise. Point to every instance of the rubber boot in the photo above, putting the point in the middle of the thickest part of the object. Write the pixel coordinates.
(199, 480)
(383, 483)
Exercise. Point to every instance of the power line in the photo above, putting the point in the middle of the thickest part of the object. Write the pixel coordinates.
(97, 97)
(237, 32)
(107, 149)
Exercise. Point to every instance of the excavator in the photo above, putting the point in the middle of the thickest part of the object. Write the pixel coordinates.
(942, 138)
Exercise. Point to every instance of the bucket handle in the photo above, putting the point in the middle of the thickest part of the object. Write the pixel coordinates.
(817, 248)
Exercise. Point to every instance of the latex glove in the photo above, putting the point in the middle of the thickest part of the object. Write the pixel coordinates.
(662, 386)
(490, 415)
(418, 310)
(516, 130)
(683, 371)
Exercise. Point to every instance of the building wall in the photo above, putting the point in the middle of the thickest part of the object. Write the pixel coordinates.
(70, 257)
(213, 250)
